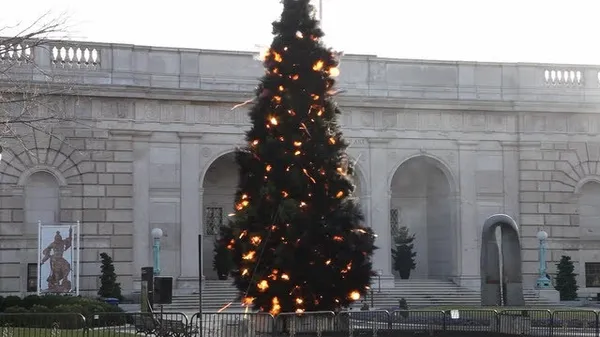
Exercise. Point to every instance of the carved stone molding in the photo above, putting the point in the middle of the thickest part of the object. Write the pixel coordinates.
(129, 134)
(190, 137)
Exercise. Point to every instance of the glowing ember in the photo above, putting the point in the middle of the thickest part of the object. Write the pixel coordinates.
(355, 296)
(277, 57)
(299, 311)
(299, 300)
(328, 262)
(284, 194)
(299, 35)
(255, 142)
(334, 72)
(273, 120)
(319, 65)
(247, 300)
(268, 168)
(332, 141)
(302, 204)
(295, 77)
(338, 238)
(249, 256)
(285, 277)
(297, 153)
(245, 272)
(339, 194)
(262, 285)
(297, 143)
(281, 88)
(276, 308)
(255, 240)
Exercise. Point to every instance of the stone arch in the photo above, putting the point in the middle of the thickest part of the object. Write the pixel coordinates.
(587, 199)
(361, 192)
(212, 159)
(64, 163)
(42, 199)
(435, 160)
(422, 198)
(510, 283)
(584, 181)
(60, 179)
(218, 185)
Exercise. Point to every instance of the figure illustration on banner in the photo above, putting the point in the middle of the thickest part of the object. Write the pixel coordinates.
(60, 268)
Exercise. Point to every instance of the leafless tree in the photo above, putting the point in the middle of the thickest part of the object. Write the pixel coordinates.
(29, 95)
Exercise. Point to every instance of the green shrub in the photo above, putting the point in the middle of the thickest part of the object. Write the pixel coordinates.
(10, 301)
(55, 310)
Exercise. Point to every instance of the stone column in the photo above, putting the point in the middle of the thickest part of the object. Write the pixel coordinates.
(470, 230)
(380, 210)
(190, 210)
(141, 202)
(510, 172)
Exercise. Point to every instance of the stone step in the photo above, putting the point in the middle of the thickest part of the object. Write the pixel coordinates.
(418, 293)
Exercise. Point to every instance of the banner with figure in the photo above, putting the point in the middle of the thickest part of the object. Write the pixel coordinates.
(58, 265)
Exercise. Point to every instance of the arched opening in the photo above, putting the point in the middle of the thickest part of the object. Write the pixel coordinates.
(42, 200)
(422, 200)
(501, 275)
(219, 185)
(588, 200)
(361, 194)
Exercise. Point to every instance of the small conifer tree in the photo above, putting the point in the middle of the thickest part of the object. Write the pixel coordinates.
(403, 255)
(109, 287)
(566, 283)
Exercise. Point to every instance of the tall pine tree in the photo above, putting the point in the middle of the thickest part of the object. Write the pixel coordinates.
(297, 240)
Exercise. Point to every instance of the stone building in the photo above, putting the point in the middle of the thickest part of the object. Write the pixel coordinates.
(439, 147)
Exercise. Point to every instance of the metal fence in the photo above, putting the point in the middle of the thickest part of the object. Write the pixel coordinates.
(318, 324)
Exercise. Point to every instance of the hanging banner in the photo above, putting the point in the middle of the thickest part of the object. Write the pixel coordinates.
(58, 270)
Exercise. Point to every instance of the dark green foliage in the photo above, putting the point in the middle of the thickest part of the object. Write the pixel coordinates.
(46, 311)
(222, 261)
(566, 283)
(109, 287)
(403, 255)
(297, 227)
(403, 305)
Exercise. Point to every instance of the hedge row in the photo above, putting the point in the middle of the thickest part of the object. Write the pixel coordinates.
(61, 311)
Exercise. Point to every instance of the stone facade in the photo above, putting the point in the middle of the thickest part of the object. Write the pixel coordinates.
(439, 147)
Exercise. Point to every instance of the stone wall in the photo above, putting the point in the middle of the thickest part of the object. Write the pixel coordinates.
(93, 172)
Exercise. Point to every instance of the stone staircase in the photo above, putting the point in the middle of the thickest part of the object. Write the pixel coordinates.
(428, 293)
(418, 293)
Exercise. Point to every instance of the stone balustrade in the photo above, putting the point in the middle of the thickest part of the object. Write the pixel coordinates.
(101, 64)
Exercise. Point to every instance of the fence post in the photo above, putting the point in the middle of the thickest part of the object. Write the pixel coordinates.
(597, 327)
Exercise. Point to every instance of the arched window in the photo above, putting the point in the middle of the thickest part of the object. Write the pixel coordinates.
(42, 197)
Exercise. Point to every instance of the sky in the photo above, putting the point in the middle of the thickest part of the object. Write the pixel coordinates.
(537, 31)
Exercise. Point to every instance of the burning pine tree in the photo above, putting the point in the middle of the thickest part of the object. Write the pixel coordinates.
(297, 236)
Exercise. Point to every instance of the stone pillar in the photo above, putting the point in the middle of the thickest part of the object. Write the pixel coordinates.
(380, 211)
(141, 202)
(470, 230)
(190, 214)
(510, 159)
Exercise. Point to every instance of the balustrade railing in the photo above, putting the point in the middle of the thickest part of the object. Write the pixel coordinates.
(115, 64)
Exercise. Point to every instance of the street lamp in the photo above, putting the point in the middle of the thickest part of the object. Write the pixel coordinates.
(542, 282)
(157, 233)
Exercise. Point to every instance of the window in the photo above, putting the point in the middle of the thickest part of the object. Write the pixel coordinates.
(32, 277)
(592, 274)
(394, 221)
(213, 220)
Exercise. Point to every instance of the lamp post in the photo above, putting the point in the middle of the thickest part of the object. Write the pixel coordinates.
(157, 233)
(542, 282)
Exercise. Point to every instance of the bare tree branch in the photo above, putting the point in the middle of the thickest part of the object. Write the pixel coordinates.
(29, 106)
